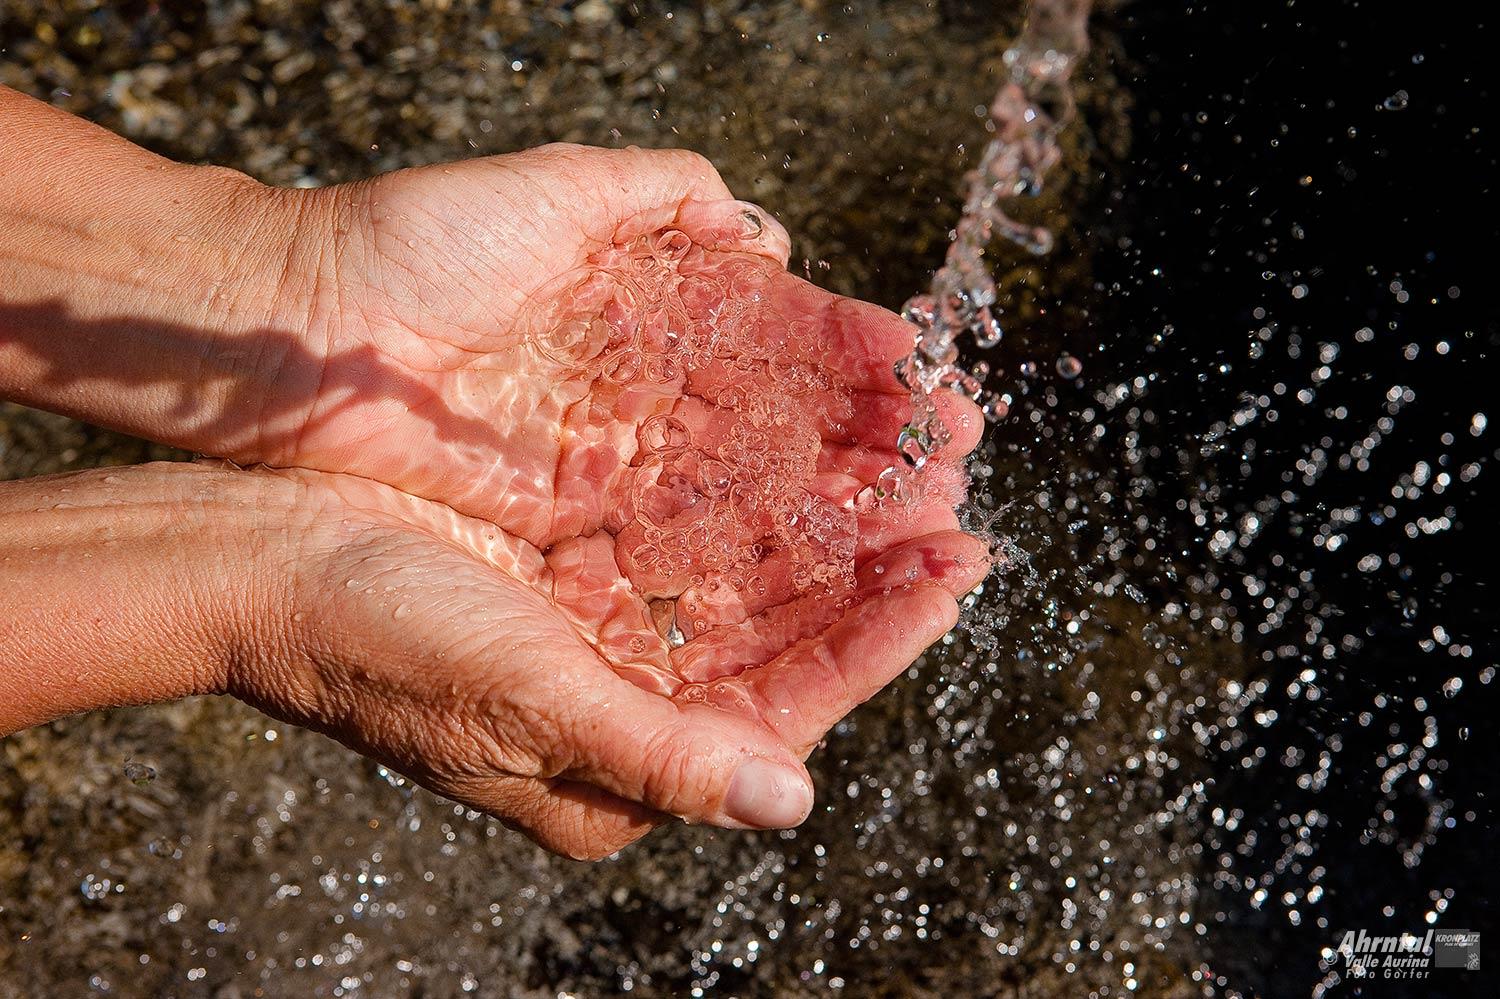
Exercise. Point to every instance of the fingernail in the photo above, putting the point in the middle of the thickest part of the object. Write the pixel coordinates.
(765, 795)
(751, 224)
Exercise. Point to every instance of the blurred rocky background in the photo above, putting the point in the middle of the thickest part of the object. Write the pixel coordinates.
(197, 849)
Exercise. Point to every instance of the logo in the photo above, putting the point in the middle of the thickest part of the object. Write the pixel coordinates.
(1406, 955)
(1456, 949)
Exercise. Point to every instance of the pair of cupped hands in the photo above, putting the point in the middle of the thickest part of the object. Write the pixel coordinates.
(370, 558)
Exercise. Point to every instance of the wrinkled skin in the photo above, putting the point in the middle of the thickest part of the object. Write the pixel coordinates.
(432, 642)
(450, 276)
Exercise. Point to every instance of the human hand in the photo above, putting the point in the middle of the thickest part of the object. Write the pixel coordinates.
(564, 342)
(425, 639)
(575, 347)
(463, 335)
(582, 404)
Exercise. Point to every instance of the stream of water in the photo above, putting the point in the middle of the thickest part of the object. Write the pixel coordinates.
(1186, 592)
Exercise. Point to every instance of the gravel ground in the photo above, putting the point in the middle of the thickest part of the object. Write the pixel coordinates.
(267, 861)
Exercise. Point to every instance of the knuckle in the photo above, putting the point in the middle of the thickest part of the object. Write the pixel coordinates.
(830, 670)
(508, 734)
(690, 161)
(672, 778)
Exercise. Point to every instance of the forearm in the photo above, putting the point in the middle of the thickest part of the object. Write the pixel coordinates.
(138, 293)
(126, 586)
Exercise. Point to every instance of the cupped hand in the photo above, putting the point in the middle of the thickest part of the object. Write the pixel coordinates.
(686, 455)
(599, 503)
(602, 355)
(452, 334)
(433, 642)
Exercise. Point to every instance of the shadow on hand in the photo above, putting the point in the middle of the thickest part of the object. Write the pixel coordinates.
(251, 396)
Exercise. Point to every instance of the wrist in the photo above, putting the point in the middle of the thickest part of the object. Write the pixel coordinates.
(135, 585)
(166, 300)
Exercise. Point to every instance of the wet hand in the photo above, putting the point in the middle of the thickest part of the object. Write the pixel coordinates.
(473, 332)
(578, 347)
(686, 456)
(427, 640)
(434, 642)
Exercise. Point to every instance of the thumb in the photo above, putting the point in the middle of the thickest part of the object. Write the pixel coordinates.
(691, 760)
(735, 226)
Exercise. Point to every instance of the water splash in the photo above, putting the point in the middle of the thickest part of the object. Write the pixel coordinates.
(1027, 115)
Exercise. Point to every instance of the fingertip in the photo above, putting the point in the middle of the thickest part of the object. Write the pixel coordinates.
(867, 341)
(964, 420)
(735, 226)
(972, 567)
(806, 690)
(764, 794)
(952, 559)
(920, 614)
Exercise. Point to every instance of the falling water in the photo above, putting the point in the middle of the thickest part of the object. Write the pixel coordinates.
(1033, 105)
(1161, 629)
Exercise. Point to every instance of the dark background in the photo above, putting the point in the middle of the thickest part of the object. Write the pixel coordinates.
(1273, 147)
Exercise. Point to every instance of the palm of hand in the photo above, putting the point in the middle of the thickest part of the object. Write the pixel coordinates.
(667, 444)
(430, 641)
(663, 418)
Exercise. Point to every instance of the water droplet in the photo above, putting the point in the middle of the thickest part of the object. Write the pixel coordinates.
(891, 485)
(94, 887)
(751, 224)
(914, 444)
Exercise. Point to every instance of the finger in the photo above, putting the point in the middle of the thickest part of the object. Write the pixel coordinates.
(929, 505)
(954, 560)
(858, 461)
(965, 422)
(764, 585)
(858, 342)
(684, 759)
(587, 585)
(948, 557)
(619, 194)
(566, 817)
(876, 420)
(731, 649)
(928, 509)
(735, 226)
(734, 434)
(855, 342)
(771, 578)
(805, 691)
(864, 342)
